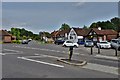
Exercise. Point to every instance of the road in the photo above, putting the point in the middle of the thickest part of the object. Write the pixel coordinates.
(35, 60)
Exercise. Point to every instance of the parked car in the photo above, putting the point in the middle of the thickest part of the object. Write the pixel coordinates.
(69, 43)
(88, 43)
(104, 44)
(59, 42)
(25, 41)
(80, 41)
(115, 43)
(30, 39)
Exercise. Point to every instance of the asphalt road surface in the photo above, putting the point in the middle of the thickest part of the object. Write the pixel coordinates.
(35, 60)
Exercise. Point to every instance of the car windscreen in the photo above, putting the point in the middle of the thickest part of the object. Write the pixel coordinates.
(103, 42)
(69, 42)
(88, 41)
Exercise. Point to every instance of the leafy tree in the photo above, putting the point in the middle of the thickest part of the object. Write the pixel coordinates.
(15, 32)
(93, 25)
(116, 22)
(85, 27)
(64, 26)
(23, 34)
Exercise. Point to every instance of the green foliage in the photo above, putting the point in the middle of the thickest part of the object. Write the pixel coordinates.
(23, 34)
(85, 27)
(24, 37)
(65, 26)
(114, 24)
(16, 41)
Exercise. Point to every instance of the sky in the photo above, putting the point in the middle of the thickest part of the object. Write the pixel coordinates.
(49, 16)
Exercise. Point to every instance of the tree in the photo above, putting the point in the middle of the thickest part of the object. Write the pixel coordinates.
(64, 27)
(93, 25)
(85, 27)
(15, 32)
(23, 34)
(116, 22)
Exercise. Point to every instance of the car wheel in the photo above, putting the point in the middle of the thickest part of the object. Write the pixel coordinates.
(84, 45)
(75, 46)
(64, 46)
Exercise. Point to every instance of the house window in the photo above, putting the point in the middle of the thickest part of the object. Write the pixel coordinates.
(71, 37)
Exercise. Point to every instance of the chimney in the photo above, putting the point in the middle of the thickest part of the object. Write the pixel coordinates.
(99, 28)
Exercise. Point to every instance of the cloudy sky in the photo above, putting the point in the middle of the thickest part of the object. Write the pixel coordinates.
(48, 16)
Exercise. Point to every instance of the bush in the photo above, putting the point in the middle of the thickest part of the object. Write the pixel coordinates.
(16, 41)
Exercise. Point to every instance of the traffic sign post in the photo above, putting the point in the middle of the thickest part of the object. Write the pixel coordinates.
(116, 51)
(91, 50)
(71, 52)
(98, 49)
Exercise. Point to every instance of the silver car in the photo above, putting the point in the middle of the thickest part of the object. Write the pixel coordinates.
(88, 43)
(115, 43)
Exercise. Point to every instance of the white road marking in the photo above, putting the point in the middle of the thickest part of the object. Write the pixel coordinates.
(12, 50)
(107, 57)
(11, 53)
(41, 55)
(82, 54)
(40, 49)
(102, 68)
(32, 60)
(2, 54)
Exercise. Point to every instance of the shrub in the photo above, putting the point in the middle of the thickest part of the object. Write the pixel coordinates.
(16, 41)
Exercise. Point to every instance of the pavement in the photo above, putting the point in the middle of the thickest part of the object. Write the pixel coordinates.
(36, 60)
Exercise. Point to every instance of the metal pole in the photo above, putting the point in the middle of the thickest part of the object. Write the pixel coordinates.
(98, 49)
(116, 51)
(91, 50)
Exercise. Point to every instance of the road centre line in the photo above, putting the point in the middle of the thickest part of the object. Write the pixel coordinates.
(32, 60)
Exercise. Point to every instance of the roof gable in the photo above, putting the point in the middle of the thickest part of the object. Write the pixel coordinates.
(105, 32)
(4, 33)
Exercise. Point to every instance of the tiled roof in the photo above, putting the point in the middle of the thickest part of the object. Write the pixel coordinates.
(4, 33)
(81, 31)
(62, 32)
(105, 32)
(54, 33)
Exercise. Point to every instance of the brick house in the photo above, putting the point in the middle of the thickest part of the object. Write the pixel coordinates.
(5, 36)
(100, 35)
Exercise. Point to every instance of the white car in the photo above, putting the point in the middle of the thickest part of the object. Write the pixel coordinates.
(104, 44)
(68, 43)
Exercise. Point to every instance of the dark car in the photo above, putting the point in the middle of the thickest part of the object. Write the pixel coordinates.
(59, 42)
(80, 41)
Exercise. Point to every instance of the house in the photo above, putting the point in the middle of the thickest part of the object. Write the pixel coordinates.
(100, 35)
(119, 34)
(45, 36)
(73, 34)
(76, 34)
(54, 35)
(5, 36)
